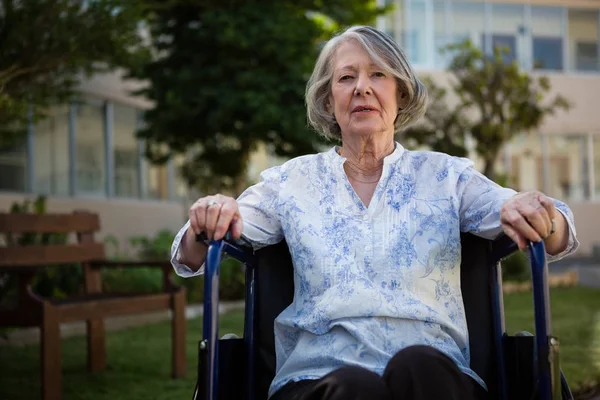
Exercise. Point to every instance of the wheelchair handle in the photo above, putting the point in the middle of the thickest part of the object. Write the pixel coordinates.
(210, 323)
(543, 340)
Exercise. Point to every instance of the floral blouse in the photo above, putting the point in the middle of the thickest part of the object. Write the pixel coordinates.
(371, 280)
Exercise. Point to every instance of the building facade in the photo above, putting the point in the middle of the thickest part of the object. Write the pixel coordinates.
(85, 156)
(558, 39)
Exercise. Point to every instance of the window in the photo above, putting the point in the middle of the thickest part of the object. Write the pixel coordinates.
(508, 46)
(180, 185)
(547, 53)
(468, 22)
(13, 167)
(567, 176)
(416, 37)
(126, 165)
(393, 20)
(90, 147)
(51, 153)
(547, 37)
(583, 40)
(508, 32)
(442, 34)
(586, 56)
(596, 161)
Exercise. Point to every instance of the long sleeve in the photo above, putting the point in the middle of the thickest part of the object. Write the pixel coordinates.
(261, 224)
(482, 200)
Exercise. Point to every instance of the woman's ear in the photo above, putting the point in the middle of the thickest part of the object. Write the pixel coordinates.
(403, 99)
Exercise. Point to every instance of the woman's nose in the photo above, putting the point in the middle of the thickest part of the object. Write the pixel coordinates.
(362, 86)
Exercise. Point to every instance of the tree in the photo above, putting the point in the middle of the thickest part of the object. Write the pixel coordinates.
(230, 74)
(47, 46)
(496, 101)
(442, 128)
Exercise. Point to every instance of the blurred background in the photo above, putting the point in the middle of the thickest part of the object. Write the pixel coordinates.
(133, 109)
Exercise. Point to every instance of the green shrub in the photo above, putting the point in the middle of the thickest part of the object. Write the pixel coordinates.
(139, 280)
(516, 267)
(158, 247)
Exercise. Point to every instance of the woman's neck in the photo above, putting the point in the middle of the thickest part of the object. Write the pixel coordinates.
(364, 159)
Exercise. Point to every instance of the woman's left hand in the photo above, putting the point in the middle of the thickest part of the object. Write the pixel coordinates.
(531, 216)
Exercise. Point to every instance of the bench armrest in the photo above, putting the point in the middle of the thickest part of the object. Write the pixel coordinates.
(126, 264)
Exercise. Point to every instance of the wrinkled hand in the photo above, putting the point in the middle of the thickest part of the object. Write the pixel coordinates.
(215, 215)
(528, 216)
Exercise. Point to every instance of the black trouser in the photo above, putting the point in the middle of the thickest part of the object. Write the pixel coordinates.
(415, 373)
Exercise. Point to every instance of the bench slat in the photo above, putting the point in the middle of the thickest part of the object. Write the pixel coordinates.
(111, 307)
(49, 223)
(39, 255)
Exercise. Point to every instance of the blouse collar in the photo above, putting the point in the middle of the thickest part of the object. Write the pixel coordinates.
(391, 158)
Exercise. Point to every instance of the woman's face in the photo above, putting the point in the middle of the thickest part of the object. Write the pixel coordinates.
(363, 96)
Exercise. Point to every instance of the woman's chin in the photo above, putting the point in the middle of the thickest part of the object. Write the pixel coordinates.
(369, 130)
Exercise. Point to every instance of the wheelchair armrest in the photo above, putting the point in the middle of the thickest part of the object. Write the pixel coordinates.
(244, 255)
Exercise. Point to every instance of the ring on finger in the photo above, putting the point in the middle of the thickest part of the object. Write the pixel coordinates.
(213, 203)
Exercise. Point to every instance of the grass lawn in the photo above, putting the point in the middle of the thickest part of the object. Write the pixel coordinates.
(139, 358)
(139, 365)
(576, 323)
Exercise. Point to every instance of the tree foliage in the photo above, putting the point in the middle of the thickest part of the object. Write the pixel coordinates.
(496, 100)
(230, 74)
(47, 46)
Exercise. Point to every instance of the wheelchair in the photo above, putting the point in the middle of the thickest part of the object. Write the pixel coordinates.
(523, 366)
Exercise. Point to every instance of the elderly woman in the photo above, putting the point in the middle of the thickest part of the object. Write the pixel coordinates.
(374, 234)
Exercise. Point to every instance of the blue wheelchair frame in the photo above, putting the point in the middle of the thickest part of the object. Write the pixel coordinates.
(547, 369)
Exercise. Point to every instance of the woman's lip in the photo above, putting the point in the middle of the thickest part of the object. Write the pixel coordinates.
(364, 111)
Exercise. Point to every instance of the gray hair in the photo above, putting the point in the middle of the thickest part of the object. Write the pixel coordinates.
(387, 54)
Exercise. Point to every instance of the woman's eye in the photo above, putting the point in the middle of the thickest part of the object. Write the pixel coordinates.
(379, 74)
(345, 77)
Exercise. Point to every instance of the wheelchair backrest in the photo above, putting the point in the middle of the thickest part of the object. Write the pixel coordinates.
(275, 291)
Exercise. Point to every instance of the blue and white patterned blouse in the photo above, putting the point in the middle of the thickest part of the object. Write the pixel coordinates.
(370, 281)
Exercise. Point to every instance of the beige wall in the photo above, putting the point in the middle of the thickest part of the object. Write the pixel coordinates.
(582, 90)
(587, 223)
(120, 218)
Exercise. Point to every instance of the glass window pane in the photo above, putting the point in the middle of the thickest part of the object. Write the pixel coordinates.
(13, 167)
(468, 22)
(181, 187)
(566, 176)
(156, 182)
(415, 39)
(51, 152)
(525, 150)
(546, 32)
(90, 165)
(583, 40)
(393, 19)
(394, 22)
(441, 34)
(127, 174)
(596, 168)
(508, 31)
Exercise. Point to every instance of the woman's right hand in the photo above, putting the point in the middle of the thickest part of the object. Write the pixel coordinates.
(215, 215)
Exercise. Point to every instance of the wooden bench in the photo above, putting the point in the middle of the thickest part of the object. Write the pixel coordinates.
(93, 306)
